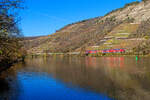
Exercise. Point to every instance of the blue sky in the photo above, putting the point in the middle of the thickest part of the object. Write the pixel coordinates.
(43, 17)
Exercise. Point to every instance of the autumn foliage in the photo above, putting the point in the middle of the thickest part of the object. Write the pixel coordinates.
(10, 47)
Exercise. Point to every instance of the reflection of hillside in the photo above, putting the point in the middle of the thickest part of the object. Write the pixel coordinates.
(120, 77)
(91, 61)
(107, 61)
(114, 61)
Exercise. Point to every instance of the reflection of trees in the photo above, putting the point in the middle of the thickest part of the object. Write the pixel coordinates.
(9, 90)
(9, 85)
(4, 88)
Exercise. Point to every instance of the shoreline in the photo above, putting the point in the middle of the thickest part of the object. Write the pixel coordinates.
(5, 66)
(91, 55)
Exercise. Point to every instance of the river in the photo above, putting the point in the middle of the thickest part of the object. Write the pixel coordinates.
(77, 78)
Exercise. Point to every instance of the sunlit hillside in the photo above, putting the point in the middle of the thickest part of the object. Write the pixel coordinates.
(122, 28)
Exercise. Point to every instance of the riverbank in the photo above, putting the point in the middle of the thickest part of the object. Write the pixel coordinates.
(90, 55)
(4, 65)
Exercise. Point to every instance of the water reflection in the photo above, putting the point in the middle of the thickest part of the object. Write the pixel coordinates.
(4, 88)
(122, 78)
(114, 61)
(9, 85)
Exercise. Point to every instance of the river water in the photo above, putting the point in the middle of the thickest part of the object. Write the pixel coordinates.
(77, 78)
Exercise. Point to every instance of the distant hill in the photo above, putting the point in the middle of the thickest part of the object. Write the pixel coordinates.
(127, 27)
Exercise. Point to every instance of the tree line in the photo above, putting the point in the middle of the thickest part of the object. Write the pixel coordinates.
(10, 36)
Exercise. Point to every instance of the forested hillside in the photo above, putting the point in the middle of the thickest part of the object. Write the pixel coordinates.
(126, 27)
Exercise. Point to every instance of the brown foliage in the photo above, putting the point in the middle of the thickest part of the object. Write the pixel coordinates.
(10, 47)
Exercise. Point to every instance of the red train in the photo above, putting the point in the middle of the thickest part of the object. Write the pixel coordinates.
(105, 51)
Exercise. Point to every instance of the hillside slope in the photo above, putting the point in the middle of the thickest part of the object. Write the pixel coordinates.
(126, 27)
